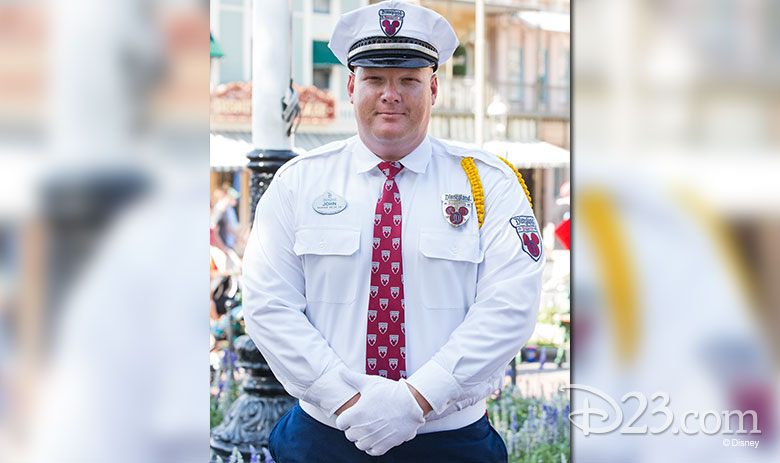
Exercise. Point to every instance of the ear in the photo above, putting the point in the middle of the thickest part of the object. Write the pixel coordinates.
(351, 87)
(434, 88)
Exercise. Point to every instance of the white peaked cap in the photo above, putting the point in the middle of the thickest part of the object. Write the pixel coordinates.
(393, 34)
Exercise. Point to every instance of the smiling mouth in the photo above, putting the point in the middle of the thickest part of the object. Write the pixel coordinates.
(391, 114)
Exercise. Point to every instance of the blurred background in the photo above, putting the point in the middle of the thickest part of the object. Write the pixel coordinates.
(676, 221)
(103, 193)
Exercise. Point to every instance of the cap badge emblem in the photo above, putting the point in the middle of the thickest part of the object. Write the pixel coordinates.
(391, 20)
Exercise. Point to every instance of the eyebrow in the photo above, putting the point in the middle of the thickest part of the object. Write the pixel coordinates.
(403, 75)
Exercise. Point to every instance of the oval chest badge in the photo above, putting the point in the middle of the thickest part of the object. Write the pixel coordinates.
(329, 203)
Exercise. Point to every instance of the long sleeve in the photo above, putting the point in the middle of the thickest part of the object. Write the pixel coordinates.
(275, 303)
(470, 365)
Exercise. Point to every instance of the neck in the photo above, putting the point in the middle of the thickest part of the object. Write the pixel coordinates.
(390, 150)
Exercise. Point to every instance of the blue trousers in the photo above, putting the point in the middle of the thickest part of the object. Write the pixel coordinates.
(299, 438)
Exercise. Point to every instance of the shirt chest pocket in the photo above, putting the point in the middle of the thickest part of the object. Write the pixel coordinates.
(448, 269)
(329, 262)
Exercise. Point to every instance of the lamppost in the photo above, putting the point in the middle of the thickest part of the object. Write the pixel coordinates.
(497, 111)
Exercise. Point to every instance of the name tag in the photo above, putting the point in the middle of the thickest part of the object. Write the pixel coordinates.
(329, 203)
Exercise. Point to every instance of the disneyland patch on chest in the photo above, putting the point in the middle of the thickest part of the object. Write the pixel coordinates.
(526, 229)
(329, 203)
(456, 208)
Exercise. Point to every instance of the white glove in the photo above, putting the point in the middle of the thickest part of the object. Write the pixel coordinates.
(386, 414)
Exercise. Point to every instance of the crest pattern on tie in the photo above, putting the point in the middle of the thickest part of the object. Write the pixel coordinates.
(386, 340)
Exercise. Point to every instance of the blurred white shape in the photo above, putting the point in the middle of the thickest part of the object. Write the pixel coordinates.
(120, 386)
(546, 20)
(20, 171)
(106, 57)
(496, 107)
(524, 154)
(127, 380)
(691, 332)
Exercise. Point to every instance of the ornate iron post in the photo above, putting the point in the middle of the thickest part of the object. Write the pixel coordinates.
(263, 164)
(252, 416)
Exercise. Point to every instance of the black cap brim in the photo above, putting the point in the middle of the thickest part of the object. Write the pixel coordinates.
(392, 62)
(378, 52)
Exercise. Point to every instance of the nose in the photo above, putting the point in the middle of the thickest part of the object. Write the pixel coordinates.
(389, 94)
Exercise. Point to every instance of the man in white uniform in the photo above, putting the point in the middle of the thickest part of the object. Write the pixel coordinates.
(390, 277)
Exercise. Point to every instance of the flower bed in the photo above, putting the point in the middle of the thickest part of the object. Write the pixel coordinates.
(534, 429)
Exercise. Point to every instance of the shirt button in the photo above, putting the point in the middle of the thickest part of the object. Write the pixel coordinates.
(454, 249)
(322, 244)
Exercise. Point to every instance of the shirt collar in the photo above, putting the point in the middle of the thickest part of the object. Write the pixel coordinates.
(416, 161)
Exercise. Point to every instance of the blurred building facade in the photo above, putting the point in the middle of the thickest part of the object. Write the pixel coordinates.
(313, 64)
(528, 63)
(527, 85)
(527, 72)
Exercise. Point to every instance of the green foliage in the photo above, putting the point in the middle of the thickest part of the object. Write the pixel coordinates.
(216, 414)
(220, 403)
(547, 314)
(534, 429)
(459, 58)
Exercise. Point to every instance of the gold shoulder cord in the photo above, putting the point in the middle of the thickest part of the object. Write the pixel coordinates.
(476, 185)
(520, 179)
(607, 234)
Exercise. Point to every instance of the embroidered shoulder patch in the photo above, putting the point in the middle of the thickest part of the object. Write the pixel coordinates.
(525, 226)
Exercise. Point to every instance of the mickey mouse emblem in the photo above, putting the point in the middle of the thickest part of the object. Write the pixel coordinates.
(391, 20)
(456, 208)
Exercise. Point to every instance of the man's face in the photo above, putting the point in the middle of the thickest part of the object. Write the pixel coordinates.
(393, 104)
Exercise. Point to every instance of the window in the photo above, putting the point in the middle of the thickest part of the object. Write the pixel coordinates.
(321, 6)
(459, 61)
(543, 77)
(516, 74)
(321, 78)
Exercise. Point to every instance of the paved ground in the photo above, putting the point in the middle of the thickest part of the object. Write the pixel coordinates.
(534, 382)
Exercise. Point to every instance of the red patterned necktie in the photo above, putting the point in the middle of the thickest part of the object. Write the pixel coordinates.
(386, 335)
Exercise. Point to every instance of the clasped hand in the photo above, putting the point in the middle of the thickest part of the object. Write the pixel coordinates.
(385, 416)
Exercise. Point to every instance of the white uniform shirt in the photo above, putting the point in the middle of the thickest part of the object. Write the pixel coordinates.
(472, 294)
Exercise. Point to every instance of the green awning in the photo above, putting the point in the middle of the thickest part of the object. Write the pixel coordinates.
(216, 51)
(321, 54)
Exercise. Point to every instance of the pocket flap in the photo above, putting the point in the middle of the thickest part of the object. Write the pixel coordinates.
(327, 241)
(451, 246)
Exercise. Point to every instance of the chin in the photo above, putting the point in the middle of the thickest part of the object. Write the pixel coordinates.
(390, 134)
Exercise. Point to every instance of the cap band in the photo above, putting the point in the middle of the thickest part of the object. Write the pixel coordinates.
(393, 46)
(407, 62)
(387, 45)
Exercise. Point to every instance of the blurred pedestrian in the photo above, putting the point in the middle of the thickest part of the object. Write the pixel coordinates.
(223, 230)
